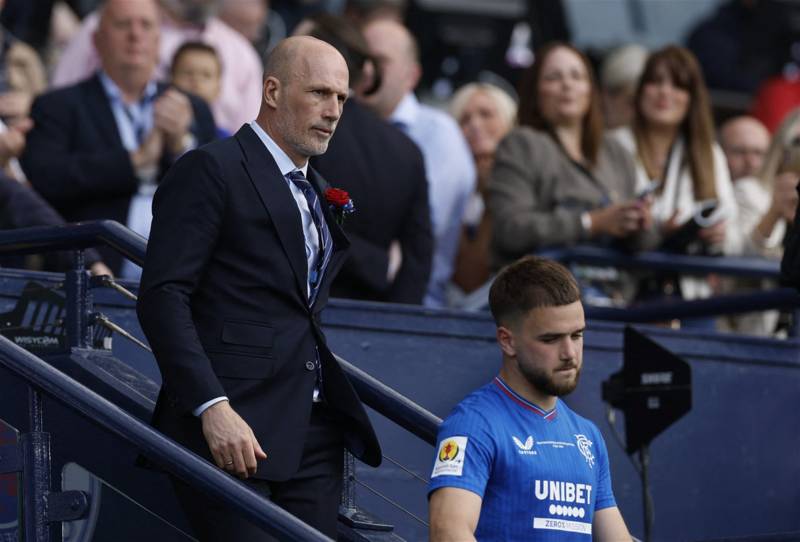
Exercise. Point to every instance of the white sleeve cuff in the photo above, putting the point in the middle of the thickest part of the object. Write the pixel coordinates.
(189, 143)
(202, 408)
(586, 222)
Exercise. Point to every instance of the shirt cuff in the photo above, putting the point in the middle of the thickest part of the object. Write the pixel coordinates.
(189, 143)
(202, 408)
(586, 222)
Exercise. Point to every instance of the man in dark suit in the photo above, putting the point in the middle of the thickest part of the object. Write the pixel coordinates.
(242, 252)
(98, 148)
(384, 172)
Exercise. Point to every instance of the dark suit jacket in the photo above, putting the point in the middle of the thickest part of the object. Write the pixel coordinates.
(74, 155)
(384, 172)
(223, 303)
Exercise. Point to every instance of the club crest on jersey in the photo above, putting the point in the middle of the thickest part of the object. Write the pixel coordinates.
(524, 448)
(450, 457)
(585, 448)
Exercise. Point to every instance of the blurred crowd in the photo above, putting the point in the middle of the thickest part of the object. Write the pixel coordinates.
(97, 100)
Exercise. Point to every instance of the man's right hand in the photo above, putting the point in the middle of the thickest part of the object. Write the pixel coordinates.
(232, 443)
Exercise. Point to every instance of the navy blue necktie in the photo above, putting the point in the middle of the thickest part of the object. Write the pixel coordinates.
(325, 245)
(137, 120)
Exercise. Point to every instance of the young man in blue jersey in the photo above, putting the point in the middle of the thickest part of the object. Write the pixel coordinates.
(513, 462)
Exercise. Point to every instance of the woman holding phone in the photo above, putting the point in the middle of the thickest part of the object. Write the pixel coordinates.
(557, 179)
(672, 143)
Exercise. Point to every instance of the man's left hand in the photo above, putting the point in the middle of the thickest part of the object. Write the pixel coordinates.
(172, 114)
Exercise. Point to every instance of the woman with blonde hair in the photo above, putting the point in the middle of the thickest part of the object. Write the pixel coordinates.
(768, 201)
(485, 113)
(672, 142)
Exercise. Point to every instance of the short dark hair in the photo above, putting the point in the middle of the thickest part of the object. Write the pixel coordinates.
(530, 283)
(194, 47)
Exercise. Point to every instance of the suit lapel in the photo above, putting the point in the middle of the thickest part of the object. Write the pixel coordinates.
(340, 241)
(276, 197)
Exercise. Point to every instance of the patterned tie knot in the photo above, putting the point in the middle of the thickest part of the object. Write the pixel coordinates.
(299, 180)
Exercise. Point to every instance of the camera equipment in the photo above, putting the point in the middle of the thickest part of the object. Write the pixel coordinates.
(654, 390)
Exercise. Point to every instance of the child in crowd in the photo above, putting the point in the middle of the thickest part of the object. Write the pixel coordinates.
(197, 68)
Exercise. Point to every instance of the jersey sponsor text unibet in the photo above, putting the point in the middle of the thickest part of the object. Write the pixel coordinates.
(538, 473)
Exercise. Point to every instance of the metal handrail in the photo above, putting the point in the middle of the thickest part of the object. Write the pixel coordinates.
(654, 311)
(663, 261)
(373, 393)
(170, 455)
(75, 236)
(396, 407)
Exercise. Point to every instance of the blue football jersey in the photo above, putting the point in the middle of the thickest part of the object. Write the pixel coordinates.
(541, 474)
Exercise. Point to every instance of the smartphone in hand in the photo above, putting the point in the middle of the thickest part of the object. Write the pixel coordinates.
(647, 190)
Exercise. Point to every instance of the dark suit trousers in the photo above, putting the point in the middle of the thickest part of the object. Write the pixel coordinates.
(312, 494)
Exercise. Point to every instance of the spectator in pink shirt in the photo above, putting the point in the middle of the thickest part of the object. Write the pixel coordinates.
(181, 21)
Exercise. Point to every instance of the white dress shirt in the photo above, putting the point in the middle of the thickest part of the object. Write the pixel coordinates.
(678, 197)
(451, 174)
(134, 122)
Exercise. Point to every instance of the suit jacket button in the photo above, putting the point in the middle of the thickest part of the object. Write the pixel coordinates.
(310, 365)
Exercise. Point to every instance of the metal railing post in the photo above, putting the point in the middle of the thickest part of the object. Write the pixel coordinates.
(43, 510)
(349, 514)
(348, 503)
(79, 304)
(35, 450)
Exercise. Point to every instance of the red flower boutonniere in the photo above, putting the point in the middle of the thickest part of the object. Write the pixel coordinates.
(340, 203)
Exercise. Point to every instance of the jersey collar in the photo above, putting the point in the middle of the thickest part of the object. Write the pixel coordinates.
(548, 415)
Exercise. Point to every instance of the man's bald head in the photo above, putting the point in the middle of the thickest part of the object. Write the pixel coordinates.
(397, 54)
(111, 7)
(745, 141)
(305, 87)
(397, 34)
(290, 52)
